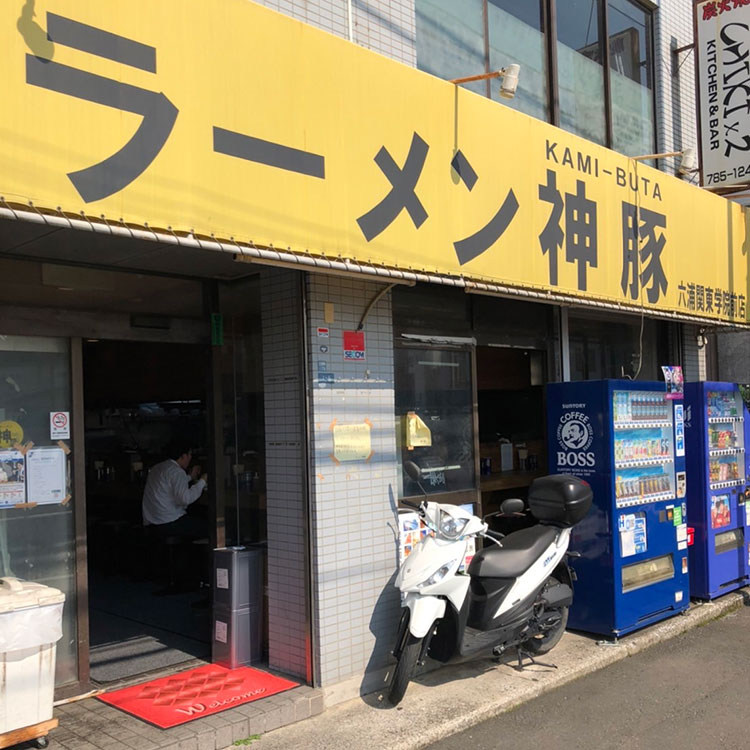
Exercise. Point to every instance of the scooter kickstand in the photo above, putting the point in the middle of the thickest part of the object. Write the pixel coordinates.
(521, 654)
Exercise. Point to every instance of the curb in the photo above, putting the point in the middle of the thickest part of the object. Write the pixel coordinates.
(451, 699)
(697, 615)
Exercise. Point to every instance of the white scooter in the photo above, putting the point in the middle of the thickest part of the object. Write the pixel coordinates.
(516, 592)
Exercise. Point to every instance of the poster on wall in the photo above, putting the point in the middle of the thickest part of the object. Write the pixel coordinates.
(723, 44)
(46, 476)
(12, 478)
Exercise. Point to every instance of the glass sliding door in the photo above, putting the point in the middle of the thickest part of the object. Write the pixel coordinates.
(37, 531)
(435, 414)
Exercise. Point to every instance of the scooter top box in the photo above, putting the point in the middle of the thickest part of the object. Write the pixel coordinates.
(560, 499)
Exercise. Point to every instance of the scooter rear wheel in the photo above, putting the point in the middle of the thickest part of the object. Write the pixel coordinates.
(545, 642)
(405, 669)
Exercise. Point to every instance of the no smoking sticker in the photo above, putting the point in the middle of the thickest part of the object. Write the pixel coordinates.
(59, 425)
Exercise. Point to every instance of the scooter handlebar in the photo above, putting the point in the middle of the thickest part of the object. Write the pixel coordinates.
(412, 504)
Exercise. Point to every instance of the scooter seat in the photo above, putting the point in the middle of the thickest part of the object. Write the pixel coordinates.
(519, 552)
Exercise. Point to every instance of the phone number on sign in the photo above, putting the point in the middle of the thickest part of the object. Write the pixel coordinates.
(726, 174)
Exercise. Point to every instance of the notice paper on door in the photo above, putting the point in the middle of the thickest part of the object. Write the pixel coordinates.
(46, 475)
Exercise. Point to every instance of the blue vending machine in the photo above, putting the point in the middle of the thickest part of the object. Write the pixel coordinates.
(627, 440)
(715, 432)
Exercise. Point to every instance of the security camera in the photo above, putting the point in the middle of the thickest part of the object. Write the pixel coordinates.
(510, 81)
(689, 162)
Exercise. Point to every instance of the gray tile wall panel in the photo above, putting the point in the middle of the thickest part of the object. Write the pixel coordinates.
(353, 515)
(285, 485)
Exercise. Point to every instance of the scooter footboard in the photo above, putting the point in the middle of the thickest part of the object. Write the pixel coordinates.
(423, 611)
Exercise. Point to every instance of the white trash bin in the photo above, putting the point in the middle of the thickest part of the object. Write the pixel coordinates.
(30, 626)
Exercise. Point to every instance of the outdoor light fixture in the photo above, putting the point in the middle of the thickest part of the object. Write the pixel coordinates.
(688, 162)
(509, 84)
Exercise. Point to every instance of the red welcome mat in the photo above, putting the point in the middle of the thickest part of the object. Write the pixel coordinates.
(199, 692)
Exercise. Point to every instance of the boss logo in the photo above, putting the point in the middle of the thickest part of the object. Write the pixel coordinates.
(575, 459)
(575, 435)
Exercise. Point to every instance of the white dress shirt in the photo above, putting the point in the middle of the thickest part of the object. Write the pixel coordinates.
(168, 493)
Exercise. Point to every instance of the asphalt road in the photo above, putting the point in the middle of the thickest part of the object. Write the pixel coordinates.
(692, 691)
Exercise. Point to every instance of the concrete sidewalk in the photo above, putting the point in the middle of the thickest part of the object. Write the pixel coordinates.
(451, 699)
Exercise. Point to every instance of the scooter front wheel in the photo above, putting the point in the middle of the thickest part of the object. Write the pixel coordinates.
(405, 668)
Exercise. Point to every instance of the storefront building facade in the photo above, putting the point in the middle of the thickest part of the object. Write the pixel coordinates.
(380, 243)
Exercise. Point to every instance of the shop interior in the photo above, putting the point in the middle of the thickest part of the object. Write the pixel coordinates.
(144, 366)
(148, 601)
(512, 424)
(150, 604)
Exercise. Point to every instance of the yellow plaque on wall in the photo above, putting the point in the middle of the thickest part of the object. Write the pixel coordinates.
(352, 442)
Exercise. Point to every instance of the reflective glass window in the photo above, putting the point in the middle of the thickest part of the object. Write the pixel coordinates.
(580, 72)
(450, 40)
(435, 416)
(516, 35)
(37, 537)
(631, 75)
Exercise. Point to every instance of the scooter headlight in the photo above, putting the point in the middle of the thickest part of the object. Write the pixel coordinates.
(438, 575)
(451, 527)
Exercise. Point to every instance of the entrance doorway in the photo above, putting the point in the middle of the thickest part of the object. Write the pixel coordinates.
(512, 425)
(149, 608)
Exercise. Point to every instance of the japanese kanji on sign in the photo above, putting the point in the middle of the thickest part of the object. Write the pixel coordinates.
(174, 115)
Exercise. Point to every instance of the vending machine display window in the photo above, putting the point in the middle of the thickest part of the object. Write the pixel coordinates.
(729, 540)
(646, 573)
(643, 447)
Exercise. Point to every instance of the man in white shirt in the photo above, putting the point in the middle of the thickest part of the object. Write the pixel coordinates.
(168, 493)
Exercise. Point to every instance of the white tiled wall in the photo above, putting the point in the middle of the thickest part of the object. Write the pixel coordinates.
(675, 80)
(384, 26)
(693, 356)
(676, 123)
(356, 606)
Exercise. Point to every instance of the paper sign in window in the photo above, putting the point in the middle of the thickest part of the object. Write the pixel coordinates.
(46, 476)
(418, 434)
(12, 478)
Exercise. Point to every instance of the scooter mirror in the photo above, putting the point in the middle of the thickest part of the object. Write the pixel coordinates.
(413, 470)
(512, 506)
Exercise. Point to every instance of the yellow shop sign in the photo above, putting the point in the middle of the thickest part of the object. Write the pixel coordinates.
(231, 120)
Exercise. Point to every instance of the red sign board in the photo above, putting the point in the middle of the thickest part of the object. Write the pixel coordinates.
(354, 345)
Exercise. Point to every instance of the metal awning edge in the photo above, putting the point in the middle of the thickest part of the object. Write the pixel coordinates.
(252, 253)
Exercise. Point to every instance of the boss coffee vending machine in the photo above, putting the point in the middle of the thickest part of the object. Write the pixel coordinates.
(627, 439)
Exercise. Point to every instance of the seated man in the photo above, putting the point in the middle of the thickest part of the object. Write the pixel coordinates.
(168, 493)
